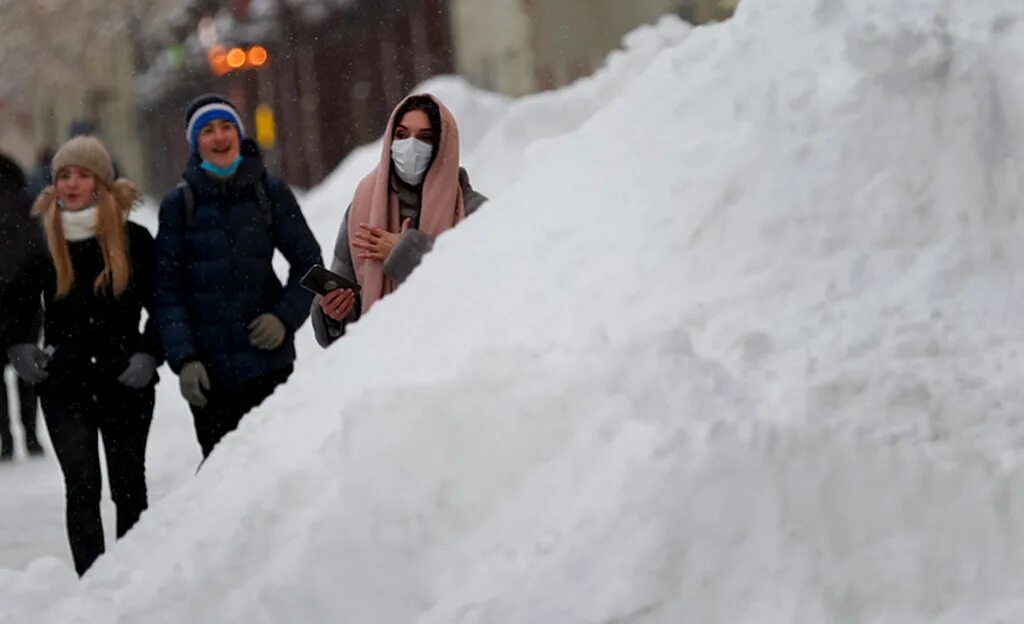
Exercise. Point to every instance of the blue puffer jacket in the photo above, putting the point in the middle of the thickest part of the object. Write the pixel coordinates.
(215, 275)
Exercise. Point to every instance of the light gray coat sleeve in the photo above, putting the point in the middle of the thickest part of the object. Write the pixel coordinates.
(326, 329)
(414, 244)
(407, 254)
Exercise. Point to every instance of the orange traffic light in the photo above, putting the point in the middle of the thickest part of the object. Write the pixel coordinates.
(258, 56)
(217, 58)
(236, 58)
(222, 61)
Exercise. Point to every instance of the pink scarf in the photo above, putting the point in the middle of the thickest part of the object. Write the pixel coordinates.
(375, 203)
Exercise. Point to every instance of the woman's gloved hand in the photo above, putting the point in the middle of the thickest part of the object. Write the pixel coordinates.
(141, 367)
(29, 361)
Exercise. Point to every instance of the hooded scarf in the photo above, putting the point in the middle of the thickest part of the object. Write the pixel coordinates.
(375, 203)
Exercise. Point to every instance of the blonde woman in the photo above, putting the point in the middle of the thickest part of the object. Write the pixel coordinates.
(96, 373)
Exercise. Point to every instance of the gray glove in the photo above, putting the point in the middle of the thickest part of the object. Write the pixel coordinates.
(193, 380)
(139, 373)
(30, 361)
(267, 332)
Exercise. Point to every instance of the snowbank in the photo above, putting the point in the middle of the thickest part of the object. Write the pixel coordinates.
(738, 345)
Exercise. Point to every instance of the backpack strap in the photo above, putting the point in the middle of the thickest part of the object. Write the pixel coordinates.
(189, 216)
(265, 206)
(190, 203)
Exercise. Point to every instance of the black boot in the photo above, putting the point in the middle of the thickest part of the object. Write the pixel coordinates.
(6, 448)
(29, 411)
(34, 448)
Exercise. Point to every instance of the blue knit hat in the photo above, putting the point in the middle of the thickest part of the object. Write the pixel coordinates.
(205, 109)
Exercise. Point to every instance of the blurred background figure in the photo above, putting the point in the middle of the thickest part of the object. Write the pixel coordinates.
(41, 176)
(18, 231)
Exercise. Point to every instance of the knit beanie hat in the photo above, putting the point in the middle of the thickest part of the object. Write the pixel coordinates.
(205, 109)
(87, 152)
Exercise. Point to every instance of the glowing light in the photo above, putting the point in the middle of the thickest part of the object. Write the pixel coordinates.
(217, 58)
(236, 58)
(258, 56)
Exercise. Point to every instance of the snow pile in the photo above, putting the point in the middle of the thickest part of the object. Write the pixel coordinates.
(520, 137)
(739, 347)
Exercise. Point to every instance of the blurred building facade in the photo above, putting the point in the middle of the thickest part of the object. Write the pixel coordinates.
(522, 46)
(331, 70)
(17, 135)
(69, 68)
(99, 99)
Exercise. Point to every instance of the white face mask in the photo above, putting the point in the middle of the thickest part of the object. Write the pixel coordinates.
(411, 157)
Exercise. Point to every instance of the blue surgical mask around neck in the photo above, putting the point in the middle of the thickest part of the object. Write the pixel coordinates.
(222, 172)
(92, 204)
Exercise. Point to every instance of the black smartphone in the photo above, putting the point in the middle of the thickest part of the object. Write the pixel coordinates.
(321, 281)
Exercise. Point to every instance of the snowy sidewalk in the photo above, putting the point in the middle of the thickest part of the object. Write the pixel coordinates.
(32, 508)
(32, 490)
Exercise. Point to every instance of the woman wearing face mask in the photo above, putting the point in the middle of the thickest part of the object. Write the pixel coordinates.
(417, 191)
(97, 372)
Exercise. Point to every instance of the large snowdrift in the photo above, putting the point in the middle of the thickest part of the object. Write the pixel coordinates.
(737, 343)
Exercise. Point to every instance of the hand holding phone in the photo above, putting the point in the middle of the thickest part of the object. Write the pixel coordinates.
(338, 303)
(321, 281)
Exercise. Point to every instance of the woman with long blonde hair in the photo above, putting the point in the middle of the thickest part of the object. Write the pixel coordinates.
(96, 372)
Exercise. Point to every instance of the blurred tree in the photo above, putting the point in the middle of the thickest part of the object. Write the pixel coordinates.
(43, 43)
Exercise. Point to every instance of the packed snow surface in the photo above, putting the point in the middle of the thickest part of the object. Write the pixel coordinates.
(736, 340)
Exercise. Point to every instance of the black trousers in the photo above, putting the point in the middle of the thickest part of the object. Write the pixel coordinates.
(226, 405)
(122, 416)
(28, 407)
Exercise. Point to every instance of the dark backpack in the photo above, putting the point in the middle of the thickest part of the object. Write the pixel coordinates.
(261, 196)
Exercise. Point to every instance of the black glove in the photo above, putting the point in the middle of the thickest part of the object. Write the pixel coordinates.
(29, 361)
(193, 380)
(139, 373)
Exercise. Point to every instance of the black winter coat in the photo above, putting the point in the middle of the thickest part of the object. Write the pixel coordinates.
(216, 275)
(93, 334)
(21, 238)
(19, 232)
